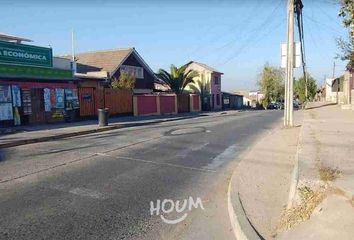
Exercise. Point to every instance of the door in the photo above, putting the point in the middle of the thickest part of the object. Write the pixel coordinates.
(87, 102)
(37, 104)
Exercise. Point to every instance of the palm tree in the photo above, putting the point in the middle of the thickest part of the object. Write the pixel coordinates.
(178, 78)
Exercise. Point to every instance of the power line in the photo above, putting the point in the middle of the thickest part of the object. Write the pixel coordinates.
(216, 37)
(251, 37)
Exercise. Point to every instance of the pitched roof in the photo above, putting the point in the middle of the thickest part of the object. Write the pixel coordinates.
(105, 60)
(205, 66)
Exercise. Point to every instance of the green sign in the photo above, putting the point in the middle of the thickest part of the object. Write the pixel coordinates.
(27, 71)
(21, 54)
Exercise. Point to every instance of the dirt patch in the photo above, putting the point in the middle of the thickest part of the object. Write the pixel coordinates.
(328, 174)
(310, 199)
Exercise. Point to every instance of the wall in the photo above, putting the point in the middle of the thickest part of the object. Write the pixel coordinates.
(61, 63)
(154, 104)
(168, 104)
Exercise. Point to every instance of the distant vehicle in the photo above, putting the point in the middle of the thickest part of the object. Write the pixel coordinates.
(279, 105)
(271, 106)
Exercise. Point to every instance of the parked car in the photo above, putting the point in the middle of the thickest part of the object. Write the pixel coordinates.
(279, 105)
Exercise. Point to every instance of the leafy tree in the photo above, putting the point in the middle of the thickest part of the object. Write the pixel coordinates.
(271, 84)
(347, 46)
(300, 91)
(178, 78)
(347, 13)
(125, 81)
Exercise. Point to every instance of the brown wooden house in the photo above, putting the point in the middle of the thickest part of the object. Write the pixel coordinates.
(95, 71)
(108, 64)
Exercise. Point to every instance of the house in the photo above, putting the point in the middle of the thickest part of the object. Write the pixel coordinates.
(334, 89)
(208, 84)
(232, 101)
(251, 98)
(108, 65)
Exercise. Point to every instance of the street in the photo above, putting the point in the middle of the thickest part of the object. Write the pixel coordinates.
(100, 186)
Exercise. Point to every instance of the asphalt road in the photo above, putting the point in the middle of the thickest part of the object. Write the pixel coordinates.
(101, 186)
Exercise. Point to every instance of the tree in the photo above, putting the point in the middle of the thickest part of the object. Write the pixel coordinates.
(178, 78)
(300, 91)
(347, 13)
(347, 46)
(271, 84)
(125, 81)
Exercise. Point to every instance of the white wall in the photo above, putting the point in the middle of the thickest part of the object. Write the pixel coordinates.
(61, 63)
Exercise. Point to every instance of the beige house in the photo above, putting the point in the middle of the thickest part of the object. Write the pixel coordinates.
(208, 84)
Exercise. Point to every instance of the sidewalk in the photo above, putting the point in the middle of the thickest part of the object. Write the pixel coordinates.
(324, 205)
(259, 188)
(45, 132)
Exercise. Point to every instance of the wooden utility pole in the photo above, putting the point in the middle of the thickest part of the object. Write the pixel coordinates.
(288, 112)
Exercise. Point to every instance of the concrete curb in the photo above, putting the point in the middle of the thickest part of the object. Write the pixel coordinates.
(241, 225)
(295, 174)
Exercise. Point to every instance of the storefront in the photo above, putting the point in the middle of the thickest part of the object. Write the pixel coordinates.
(31, 89)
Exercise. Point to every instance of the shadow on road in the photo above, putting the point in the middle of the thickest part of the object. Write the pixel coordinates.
(324, 105)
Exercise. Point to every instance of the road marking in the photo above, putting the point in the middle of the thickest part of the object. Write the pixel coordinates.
(185, 152)
(157, 163)
(228, 154)
(83, 192)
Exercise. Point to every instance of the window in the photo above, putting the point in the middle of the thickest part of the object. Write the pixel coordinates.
(217, 99)
(216, 80)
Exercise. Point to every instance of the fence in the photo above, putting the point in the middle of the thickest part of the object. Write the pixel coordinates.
(123, 102)
(118, 101)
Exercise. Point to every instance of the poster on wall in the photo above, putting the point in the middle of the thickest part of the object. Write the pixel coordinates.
(17, 118)
(71, 99)
(76, 103)
(16, 96)
(27, 103)
(52, 97)
(47, 102)
(6, 111)
(59, 98)
(5, 94)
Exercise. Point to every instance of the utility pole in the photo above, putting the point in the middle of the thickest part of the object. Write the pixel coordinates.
(306, 94)
(73, 61)
(334, 69)
(288, 113)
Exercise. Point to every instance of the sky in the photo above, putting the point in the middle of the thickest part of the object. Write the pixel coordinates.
(234, 36)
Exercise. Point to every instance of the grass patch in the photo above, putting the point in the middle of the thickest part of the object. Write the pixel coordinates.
(328, 174)
(310, 199)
